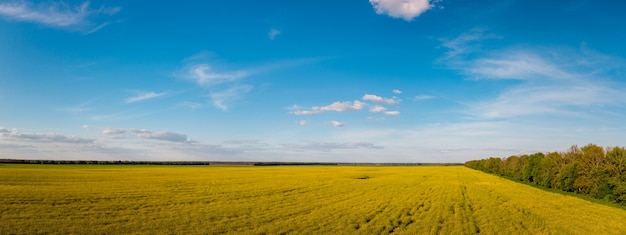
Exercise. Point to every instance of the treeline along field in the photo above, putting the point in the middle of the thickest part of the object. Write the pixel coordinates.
(590, 170)
(125, 199)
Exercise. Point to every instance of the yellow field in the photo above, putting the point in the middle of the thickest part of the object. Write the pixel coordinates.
(273, 200)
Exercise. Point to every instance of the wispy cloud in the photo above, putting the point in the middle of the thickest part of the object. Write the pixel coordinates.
(148, 134)
(42, 137)
(464, 44)
(405, 9)
(203, 75)
(225, 85)
(520, 65)
(304, 122)
(144, 96)
(166, 136)
(567, 97)
(329, 146)
(222, 99)
(273, 33)
(214, 82)
(392, 113)
(58, 14)
(551, 80)
(190, 105)
(423, 97)
(397, 92)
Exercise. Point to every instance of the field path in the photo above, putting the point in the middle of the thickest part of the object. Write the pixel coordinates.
(286, 200)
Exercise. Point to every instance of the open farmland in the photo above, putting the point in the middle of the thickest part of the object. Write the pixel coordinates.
(302, 200)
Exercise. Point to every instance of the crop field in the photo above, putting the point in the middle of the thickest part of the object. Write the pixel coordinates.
(88, 199)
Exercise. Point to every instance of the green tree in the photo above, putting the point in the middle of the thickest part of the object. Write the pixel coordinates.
(567, 176)
(531, 170)
(492, 165)
(512, 167)
(616, 168)
(549, 166)
(592, 175)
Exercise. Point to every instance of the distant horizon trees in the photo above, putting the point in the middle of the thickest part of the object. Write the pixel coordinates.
(591, 170)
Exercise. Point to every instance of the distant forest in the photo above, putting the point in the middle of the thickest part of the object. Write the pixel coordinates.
(216, 163)
(590, 170)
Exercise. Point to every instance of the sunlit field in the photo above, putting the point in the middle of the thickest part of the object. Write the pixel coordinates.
(88, 199)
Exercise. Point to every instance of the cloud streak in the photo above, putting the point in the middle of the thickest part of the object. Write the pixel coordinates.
(550, 81)
(42, 137)
(203, 75)
(423, 97)
(330, 146)
(57, 14)
(222, 99)
(148, 134)
(144, 96)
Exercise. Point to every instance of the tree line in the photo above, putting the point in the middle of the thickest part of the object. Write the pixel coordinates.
(590, 170)
(215, 163)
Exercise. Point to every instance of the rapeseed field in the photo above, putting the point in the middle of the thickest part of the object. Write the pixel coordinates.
(92, 199)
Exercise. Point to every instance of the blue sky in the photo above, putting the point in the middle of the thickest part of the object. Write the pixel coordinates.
(350, 81)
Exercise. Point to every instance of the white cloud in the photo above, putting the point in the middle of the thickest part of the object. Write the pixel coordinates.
(405, 9)
(273, 33)
(392, 113)
(396, 91)
(57, 14)
(148, 134)
(344, 106)
(222, 99)
(336, 106)
(144, 96)
(86, 127)
(378, 109)
(203, 75)
(379, 99)
(336, 123)
(313, 111)
(113, 131)
(43, 137)
(304, 122)
(166, 136)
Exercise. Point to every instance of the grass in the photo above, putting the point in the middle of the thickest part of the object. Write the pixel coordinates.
(96, 199)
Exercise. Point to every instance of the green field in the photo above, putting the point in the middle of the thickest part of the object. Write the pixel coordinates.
(88, 199)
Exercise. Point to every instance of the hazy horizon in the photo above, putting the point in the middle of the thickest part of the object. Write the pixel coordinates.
(323, 81)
